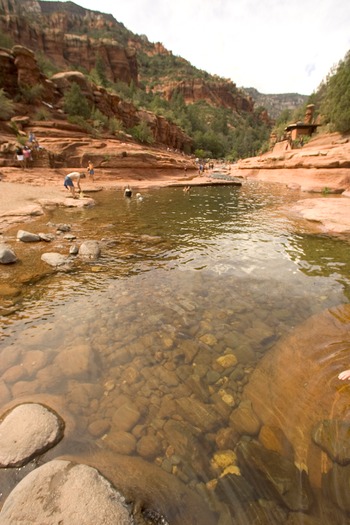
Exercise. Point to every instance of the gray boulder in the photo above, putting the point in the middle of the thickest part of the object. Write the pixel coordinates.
(27, 236)
(64, 492)
(27, 430)
(63, 227)
(47, 237)
(90, 250)
(54, 259)
(7, 255)
(74, 249)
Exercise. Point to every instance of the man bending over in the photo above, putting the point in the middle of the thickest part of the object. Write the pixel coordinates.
(69, 180)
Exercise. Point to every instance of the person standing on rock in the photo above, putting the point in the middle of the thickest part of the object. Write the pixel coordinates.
(90, 170)
(27, 156)
(20, 156)
(69, 180)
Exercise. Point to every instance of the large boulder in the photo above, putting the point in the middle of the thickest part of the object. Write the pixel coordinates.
(63, 492)
(26, 431)
(55, 259)
(25, 236)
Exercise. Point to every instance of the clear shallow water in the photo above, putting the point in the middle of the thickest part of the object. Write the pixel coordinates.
(127, 341)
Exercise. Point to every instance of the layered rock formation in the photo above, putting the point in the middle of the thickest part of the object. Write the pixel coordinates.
(222, 94)
(321, 166)
(61, 34)
(21, 72)
(71, 36)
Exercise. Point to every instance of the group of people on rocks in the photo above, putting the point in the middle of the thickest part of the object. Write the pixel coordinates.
(24, 154)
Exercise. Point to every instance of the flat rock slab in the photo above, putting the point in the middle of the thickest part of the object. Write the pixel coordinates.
(64, 492)
(332, 212)
(26, 431)
(55, 259)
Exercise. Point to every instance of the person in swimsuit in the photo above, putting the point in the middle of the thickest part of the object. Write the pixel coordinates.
(127, 191)
(91, 170)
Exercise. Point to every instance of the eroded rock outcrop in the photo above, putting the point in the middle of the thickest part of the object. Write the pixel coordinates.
(23, 73)
(222, 94)
(48, 29)
(322, 165)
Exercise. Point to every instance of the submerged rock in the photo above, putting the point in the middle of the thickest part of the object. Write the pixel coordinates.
(54, 259)
(47, 237)
(333, 438)
(274, 476)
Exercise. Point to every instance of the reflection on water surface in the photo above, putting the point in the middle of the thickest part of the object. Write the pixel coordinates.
(149, 349)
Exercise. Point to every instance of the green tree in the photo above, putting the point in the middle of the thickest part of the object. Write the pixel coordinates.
(6, 106)
(100, 71)
(45, 65)
(75, 103)
(6, 41)
(31, 94)
(336, 101)
(142, 133)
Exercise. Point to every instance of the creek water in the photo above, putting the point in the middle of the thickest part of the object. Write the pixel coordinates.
(130, 346)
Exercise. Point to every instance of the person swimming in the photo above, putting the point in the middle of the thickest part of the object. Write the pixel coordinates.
(127, 191)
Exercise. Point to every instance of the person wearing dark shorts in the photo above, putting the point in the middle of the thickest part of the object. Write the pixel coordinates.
(69, 180)
(91, 170)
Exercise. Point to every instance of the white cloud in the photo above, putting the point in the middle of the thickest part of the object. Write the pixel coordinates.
(275, 46)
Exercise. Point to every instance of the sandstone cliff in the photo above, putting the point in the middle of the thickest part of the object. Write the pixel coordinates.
(61, 32)
(21, 71)
(217, 93)
(321, 166)
(73, 37)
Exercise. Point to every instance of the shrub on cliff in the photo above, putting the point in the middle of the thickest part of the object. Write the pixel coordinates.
(335, 106)
(6, 106)
(31, 94)
(142, 133)
(115, 126)
(75, 103)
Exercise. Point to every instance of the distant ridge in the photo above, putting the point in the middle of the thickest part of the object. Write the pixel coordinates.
(275, 103)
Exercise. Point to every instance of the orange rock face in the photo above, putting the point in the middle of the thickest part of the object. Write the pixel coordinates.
(224, 94)
(296, 387)
(321, 166)
(50, 33)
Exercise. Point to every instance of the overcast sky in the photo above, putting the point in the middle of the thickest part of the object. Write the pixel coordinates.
(276, 46)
